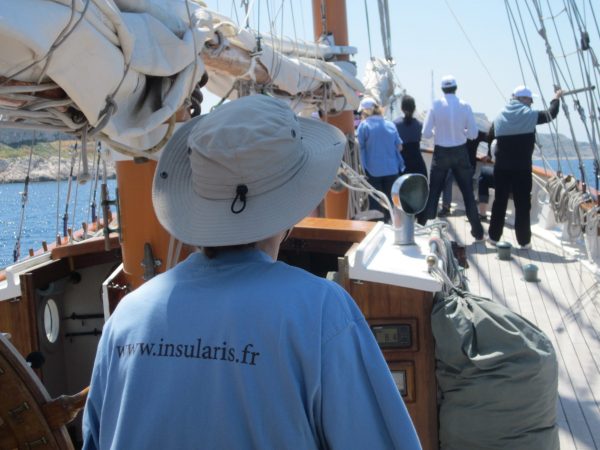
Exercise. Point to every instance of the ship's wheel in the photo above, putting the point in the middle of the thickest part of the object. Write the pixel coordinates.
(29, 418)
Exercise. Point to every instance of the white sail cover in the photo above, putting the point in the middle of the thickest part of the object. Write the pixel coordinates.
(128, 65)
(379, 80)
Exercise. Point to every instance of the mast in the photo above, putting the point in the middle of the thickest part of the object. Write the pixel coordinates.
(329, 20)
(138, 223)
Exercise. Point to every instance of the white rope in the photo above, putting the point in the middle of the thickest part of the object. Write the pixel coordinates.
(592, 242)
(558, 189)
(359, 183)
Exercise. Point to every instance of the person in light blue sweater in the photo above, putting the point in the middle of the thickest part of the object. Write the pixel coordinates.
(380, 151)
(514, 131)
(232, 349)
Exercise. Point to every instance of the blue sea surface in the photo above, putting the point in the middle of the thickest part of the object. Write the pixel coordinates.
(570, 167)
(40, 213)
(40, 219)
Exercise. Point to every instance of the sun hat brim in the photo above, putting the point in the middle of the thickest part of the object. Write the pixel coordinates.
(208, 222)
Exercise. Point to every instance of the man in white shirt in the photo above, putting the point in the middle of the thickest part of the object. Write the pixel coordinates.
(450, 122)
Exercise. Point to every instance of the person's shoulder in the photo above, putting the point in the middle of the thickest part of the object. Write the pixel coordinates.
(294, 274)
(389, 124)
(461, 101)
(337, 305)
(416, 123)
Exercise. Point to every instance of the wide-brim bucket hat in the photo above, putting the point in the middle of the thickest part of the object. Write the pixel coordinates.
(244, 172)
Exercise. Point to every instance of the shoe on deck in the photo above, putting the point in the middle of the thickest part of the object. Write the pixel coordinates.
(491, 241)
(479, 238)
(526, 246)
(443, 212)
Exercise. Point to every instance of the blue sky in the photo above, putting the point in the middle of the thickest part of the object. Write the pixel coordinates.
(426, 38)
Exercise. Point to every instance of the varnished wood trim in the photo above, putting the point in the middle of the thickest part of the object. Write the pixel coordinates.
(332, 229)
(91, 245)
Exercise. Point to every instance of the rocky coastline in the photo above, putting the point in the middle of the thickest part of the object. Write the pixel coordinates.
(14, 170)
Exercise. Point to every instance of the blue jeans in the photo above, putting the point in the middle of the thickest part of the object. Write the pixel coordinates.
(486, 181)
(455, 159)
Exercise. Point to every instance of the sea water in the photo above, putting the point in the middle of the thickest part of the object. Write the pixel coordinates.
(570, 167)
(42, 220)
(43, 213)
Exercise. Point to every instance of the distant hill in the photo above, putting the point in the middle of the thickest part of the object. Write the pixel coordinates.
(15, 147)
(547, 141)
(17, 138)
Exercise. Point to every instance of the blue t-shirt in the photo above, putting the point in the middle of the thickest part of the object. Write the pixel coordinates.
(240, 352)
(379, 140)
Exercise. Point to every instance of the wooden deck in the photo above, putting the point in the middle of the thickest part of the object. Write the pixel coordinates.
(565, 304)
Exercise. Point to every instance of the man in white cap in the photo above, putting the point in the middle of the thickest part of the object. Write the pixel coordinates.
(450, 122)
(232, 349)
(514, 131)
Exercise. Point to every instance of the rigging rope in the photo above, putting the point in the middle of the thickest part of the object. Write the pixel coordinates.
(566, 200)
(58, 180)
(79, 163)
(368, 30)
(65, 218)
(93, 189)
(475, 50)
(24, 199)
(384, 25)
(556, 72)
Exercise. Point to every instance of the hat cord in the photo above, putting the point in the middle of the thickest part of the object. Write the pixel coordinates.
(240, 192)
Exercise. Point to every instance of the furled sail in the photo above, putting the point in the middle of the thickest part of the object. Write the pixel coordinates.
(379, 80)
(120, 70)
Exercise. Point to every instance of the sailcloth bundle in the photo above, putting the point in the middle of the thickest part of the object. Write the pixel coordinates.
(120, 70)
(379, 80)
(498, 377)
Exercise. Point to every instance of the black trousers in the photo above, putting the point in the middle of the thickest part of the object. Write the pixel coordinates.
(519, 183)
(383, 184)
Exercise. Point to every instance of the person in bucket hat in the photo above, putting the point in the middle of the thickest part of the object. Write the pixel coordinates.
(231, 348)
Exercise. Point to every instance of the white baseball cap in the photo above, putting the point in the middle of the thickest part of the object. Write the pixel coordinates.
(523, 91)
(367, 103)
(448, 81)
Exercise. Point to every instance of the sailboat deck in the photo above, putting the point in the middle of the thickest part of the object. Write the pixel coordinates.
(564, 303)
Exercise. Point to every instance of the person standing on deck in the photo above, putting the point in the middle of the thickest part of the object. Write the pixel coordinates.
(410, 130)
(231, 349)
(380, 151)
(514, 131)
(450, 122)
(486, 180)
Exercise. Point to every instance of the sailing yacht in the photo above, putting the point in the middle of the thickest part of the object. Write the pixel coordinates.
(130, 94)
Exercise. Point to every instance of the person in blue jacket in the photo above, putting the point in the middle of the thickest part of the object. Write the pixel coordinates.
(380, 151)
(232, 349)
